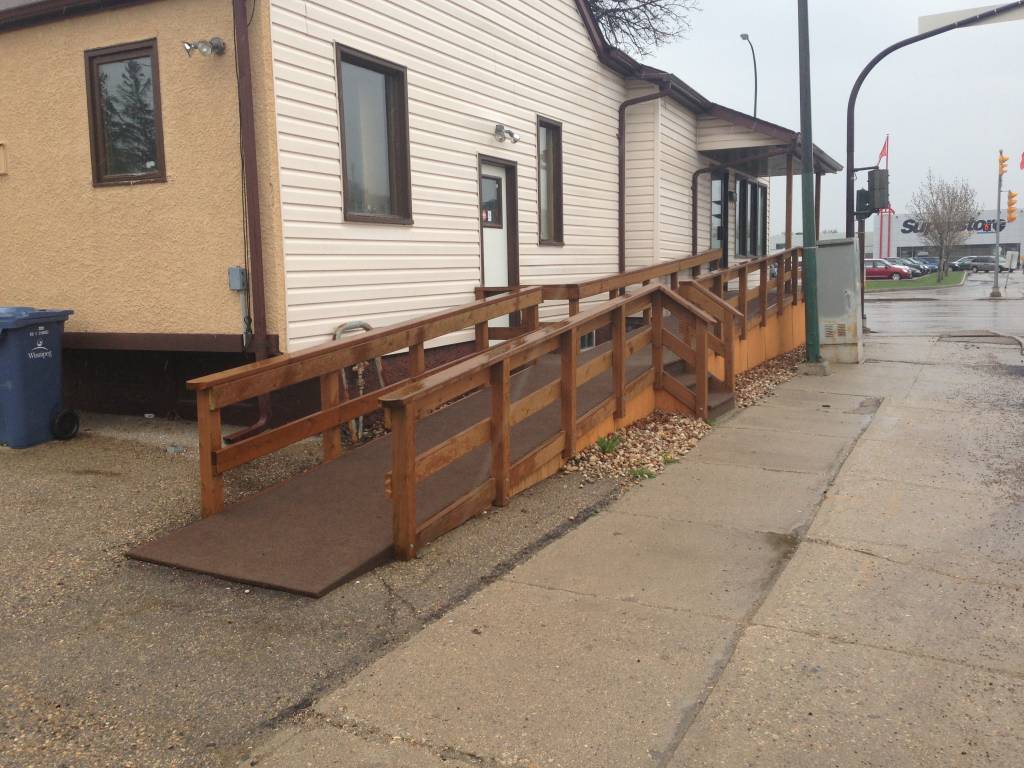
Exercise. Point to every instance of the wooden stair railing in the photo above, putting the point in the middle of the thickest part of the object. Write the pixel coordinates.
(726, 316)
(493, 368)
(219, 390)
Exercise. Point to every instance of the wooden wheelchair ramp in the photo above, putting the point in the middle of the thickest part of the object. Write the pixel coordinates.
(471, 434)
(319, 529)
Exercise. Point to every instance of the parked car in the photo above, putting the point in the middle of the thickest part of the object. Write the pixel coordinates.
(932, 262)
(880, 269)
(985, 264)
(924, 264)
(961, 264)
(916, 270)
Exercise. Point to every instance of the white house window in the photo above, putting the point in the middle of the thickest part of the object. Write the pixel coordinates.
(374, 139)
(549, 181)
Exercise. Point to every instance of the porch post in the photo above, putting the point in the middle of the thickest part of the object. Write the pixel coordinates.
(817, 203)
(789, 201)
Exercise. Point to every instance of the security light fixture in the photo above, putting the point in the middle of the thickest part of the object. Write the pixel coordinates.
(504, 133)
(215, 46)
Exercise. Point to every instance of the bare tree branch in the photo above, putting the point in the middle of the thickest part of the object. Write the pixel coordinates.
(944, 208)
(640, 26)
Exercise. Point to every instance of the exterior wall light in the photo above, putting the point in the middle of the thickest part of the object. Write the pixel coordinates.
(215, 46)
(504, 133)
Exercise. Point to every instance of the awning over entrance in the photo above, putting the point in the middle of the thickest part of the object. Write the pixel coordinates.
(734, 142)
(754, 147)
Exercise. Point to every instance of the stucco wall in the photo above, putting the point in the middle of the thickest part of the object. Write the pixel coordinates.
(150, 258)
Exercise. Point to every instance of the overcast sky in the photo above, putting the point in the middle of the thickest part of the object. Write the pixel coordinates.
(949, 103)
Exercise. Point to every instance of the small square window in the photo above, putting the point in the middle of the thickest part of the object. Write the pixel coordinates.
(125, 126)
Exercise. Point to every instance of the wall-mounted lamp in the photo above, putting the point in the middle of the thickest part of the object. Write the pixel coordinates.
(504, 133)
(215, 46)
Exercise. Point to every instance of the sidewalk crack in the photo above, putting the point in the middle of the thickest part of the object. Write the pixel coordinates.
(838, 640)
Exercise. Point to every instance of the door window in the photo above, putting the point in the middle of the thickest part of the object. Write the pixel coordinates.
(490, 202)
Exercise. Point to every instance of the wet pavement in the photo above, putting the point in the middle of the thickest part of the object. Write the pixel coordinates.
(950, 310)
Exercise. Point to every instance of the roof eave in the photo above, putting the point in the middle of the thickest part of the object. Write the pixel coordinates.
(43, 11)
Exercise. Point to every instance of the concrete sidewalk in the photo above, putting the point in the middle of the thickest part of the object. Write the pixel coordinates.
(832, 577)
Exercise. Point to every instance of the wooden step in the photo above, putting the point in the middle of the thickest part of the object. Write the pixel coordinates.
(720, 401)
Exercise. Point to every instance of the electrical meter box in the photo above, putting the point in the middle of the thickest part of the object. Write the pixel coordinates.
(839, 306)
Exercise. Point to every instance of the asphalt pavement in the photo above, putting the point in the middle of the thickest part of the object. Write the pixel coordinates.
(950, 310)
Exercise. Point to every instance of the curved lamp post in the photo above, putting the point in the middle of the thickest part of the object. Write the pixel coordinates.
(745, 36)
(852, 105)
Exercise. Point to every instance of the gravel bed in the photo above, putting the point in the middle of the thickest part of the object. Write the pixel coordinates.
(643, 449)
(758, 383)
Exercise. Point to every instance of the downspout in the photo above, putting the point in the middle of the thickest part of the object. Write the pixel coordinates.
(662, 91)
(251, 200)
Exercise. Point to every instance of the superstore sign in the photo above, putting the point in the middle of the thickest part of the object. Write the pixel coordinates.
(981, 226)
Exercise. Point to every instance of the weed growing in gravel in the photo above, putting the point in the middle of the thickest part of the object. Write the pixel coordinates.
(609, 443)
(641, 473)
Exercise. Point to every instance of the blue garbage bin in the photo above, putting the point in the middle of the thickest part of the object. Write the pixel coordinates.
(30, 377)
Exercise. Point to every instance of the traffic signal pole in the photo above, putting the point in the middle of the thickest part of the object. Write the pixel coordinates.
(996, 293)
(810, 266)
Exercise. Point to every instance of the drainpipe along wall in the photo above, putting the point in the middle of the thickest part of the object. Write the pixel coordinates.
(662, 91)
(251, 199)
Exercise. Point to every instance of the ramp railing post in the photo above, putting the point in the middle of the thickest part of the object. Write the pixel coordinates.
(657, 349)
(403, 479)
(762, 293)
(743, 298)
(729, 341)
(570, 345)
(500, 437)
(330, 396)
(619, 360)
(780, 284)
(210, 480)
(701, 332)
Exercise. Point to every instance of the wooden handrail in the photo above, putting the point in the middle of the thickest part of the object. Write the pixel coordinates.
(470, 368)
(326, 362)
(713, 303)
(381, 340)
(492, 369)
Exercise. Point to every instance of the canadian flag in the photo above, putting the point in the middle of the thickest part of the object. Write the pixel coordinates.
(885, 152)
(1022, 161)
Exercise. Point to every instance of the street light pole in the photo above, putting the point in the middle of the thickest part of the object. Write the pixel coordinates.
(810, 270)
(995, 294)
(745, 36)
(852, 104)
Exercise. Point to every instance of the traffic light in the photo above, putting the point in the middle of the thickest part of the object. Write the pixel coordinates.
(1003, 160)
(878, 188)
(1011, 206)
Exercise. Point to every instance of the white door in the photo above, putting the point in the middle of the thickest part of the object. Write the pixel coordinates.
(494, 224)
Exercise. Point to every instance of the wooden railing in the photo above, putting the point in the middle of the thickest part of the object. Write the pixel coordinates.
(787, 284)
(326, 362)
(614, 284)
(693, 344)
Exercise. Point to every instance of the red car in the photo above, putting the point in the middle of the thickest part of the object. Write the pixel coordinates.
(880, 269)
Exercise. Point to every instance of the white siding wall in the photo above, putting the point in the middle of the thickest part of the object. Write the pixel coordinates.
(471, 64)
(678, 162)
(643, 149)
(715, 133)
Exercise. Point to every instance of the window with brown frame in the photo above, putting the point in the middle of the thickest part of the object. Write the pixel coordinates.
(491, 204)
(549, 181)
(125, 127)
(373, 100)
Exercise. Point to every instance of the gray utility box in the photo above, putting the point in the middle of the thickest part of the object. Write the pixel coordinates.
(839, 308)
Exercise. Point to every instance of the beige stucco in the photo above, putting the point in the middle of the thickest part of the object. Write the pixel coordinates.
(149, 258)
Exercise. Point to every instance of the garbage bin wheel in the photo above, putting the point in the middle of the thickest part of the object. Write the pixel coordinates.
(65, 424)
